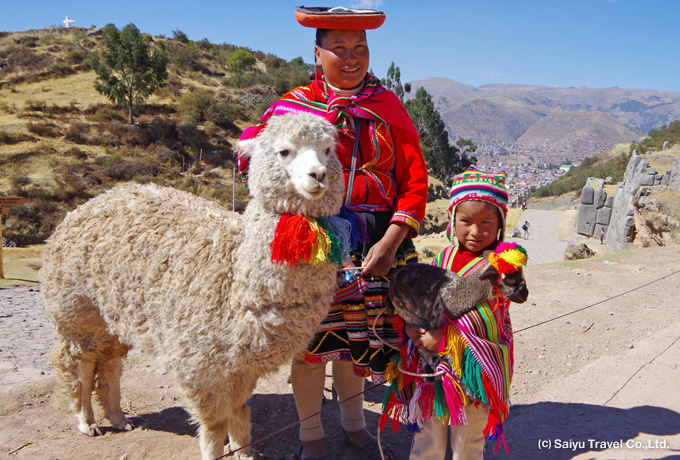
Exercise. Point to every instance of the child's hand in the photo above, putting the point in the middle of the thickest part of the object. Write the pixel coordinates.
(425, 338)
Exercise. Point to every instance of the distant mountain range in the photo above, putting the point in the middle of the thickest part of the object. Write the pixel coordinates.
(542, 124)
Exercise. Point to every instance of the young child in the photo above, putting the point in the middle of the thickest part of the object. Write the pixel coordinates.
(476, 349)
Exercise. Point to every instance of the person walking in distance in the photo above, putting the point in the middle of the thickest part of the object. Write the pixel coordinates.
(525, 227)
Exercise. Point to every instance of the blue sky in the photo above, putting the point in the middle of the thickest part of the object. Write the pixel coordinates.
(562, 43)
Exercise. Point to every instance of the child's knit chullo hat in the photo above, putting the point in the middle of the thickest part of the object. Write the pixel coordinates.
(476, 184)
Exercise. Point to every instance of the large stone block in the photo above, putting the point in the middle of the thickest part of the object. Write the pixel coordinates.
(585, 219)
(587, 195)
(646, 179)
(603, 216)
(599, 197)
(609, 202)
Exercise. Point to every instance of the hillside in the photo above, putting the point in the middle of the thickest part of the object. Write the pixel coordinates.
(63, 143)
(544, 124)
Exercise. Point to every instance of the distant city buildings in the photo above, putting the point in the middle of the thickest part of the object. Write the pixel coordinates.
(523, 178)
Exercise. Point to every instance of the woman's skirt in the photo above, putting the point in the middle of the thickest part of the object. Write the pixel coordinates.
(348, 332)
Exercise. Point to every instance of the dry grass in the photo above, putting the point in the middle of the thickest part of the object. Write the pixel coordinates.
(77, 88)
(21, 266)
(610, 189)
(661, 161)
(668, 199)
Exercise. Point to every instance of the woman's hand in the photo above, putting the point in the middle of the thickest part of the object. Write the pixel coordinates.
(380, 257)
(424, 338)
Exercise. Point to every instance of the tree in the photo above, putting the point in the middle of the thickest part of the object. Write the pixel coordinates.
(443, 159)
(466, 146)
(393, 82)
(180, 36)
(128, 71)
(240, 60)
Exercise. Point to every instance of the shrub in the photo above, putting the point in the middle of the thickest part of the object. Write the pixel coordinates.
(44, 129)
(76, 153)
(193, 106)
(18, 182)
(35, 105)
(8, 108)
(656, 137)
(174, 85)
(183, 56)
(165, 155)
(223, 113)
(106, 113)
(240, 60)
(190, 135)
(76, 57)
(180, 36)
(62, 69)
(164, 131)
(77, 133)
(9, 138)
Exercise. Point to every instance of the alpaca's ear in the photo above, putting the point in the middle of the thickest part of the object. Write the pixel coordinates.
(490, 273)
(246, 147)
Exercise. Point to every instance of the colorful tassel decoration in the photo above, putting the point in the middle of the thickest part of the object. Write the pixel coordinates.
(304, 239)
(509, 257)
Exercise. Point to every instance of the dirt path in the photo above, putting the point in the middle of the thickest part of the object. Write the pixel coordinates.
(543, 244)
(584, 382)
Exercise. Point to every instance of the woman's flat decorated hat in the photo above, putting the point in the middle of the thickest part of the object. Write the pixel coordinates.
(339, 18)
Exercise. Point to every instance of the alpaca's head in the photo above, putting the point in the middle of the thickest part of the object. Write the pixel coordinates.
(293, 167)
(512, 286)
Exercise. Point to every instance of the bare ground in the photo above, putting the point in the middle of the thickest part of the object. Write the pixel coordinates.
(596, 373)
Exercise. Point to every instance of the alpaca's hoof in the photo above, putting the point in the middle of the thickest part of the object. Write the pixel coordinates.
(90, 430)
(124, 425)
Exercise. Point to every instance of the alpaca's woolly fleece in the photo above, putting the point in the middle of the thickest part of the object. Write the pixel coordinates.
(184, 280)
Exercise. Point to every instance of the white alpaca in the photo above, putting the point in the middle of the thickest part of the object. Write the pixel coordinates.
(193, 284)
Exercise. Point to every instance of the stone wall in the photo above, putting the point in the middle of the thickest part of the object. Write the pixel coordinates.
(595, 209)
(619, 214)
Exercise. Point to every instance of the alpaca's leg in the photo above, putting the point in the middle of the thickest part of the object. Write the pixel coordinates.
(239, 422)
(70, 370)
(84, 342)
(83, 400)
(211, 438)
(223, 409)
(108, 392)
(77, 378)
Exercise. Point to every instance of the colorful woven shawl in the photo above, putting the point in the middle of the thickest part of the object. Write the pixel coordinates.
(318, 99)
(476, 360)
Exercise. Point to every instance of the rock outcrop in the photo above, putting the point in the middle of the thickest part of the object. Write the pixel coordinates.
(645, 211)
(576, 251)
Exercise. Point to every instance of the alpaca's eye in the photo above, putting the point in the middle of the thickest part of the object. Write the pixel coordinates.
(284, 153)
(328, 151)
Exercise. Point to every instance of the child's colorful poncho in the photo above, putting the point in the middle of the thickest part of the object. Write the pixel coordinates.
(476, 360)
